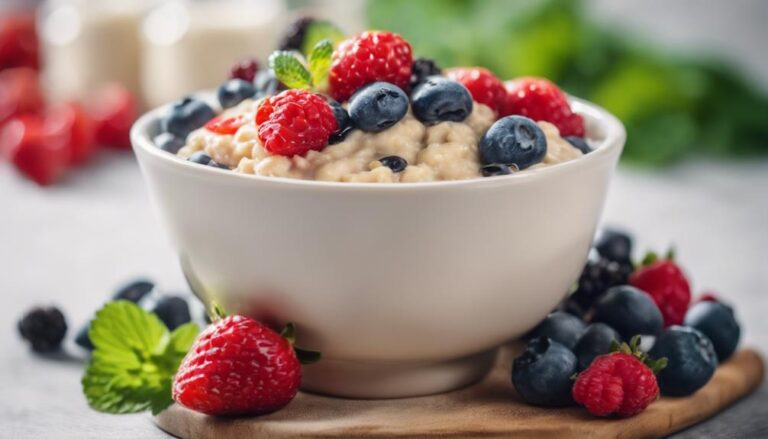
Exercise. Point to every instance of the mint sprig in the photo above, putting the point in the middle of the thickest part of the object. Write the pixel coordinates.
(135, 358)
(294, 72)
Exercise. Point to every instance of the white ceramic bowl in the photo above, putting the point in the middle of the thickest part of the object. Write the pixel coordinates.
(406, 289)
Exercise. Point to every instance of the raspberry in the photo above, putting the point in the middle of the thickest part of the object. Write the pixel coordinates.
(294, 122)
(245, 69)
(369, 57)
(238, 366)
(708, 297)
(484, 87)
(616, 383)
(666, 284)
(539, 99)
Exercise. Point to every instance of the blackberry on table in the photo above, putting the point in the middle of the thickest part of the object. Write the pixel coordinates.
(44, 328)
(421, 69)
(597, 277)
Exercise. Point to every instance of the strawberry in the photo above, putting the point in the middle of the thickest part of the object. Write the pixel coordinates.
(540, 99)
(369, 57)
(225, 125)
(665, 282)
(238, 366)
(18, 41)
(622, 382)
(113, 110)
(20, 93)
(40, 156)
(484, 87)
(69, 121)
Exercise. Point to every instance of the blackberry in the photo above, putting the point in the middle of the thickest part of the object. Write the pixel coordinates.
(597, 277)
(421, 69)
(293, 38)
(43, 328)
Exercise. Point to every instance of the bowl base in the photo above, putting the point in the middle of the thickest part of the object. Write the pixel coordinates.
(381, 380)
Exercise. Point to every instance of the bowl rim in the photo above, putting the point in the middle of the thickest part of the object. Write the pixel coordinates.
(613, 129)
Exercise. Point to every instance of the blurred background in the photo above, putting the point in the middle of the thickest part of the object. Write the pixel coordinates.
(689, 78)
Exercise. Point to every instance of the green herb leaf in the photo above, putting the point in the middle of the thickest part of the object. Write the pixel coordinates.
(134, 360)
(289, 69)
(320, 62)
(318, 31)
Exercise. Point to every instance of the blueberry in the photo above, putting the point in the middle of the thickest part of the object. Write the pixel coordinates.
(542, 374)
(394, 162)
(377, 106)
(515, 141)
(614, 245)
(421, 69)
(168, 142)
(44, 328)
(344, 124)
(691, 360)
(173, 311)
(561, 327)
(718, 323)
(439, 99)
(594, 341)
(202, 158)
(495, 169)
(134, 291)
(235, 91)
(579, 143)
(186, 116)
(266, 83)
(629, 311)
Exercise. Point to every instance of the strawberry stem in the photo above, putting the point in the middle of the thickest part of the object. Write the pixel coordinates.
(305, 356)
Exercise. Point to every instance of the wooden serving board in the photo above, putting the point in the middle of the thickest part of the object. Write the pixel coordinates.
(490, 408)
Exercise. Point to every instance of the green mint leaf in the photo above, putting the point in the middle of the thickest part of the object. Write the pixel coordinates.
(320, 62)
(318, 31)
(289, 70)
(134, 360)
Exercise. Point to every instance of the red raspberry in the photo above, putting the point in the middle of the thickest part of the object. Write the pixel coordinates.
(616, 383)
(238, 366)
(666, 284)
(369, 57)
(540, 99)
(39, 155)
(245, 70)
(482, 85)
(20, 93)
(708, 297)
(69, 121)
(229, 125)
(294, 122)
(114, 111)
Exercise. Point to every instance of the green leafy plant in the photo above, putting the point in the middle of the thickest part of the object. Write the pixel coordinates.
(135, 358)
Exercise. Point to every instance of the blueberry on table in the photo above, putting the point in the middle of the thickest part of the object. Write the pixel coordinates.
(561, 327)
(134, 291)
(629, 311)
(439, 99)
(614, 245)
(718, 323)
(235, 91)
(394, 162)
(495, 169)
(421, 69)
(596, 340)
(44, 328)
(168, 142)
(377, 106)
(515, 141)
(691, 360)
(173, 311)
(186, 116)
(579, 143)
(542, 374)
(202, 158)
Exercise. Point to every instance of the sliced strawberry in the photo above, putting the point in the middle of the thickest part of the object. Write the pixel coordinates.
(40, 156)
(228, 125)
(69, 121)
(20, 93)
(114, 110)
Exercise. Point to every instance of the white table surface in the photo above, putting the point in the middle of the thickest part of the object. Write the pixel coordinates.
(71, 244)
